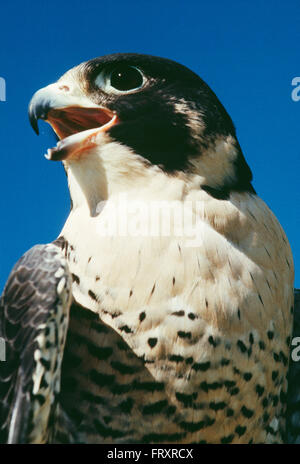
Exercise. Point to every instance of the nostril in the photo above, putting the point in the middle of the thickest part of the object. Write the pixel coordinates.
(65, 88)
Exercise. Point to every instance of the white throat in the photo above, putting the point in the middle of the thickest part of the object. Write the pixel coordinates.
(111, 169)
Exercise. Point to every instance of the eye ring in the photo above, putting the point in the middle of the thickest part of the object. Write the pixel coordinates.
(121, 79)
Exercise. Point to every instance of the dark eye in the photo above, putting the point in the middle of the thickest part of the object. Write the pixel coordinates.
(121, 79)
(126, 78)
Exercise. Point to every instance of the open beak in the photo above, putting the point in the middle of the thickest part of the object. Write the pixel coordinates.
(76, 121)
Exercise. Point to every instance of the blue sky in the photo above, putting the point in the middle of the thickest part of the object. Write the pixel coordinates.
(248, 52)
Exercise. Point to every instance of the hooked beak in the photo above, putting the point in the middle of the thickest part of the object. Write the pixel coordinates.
(76, 120)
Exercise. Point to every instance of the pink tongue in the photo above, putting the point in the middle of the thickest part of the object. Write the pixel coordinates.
(68, 121)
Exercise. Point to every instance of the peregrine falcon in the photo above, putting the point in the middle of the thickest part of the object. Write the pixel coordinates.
(136, 338)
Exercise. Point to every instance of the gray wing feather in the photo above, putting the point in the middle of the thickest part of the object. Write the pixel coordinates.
(33, 322)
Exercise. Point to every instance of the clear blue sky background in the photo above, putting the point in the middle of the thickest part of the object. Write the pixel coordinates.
(248, 52)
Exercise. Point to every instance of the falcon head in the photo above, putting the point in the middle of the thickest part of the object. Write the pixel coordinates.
(146, 110)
